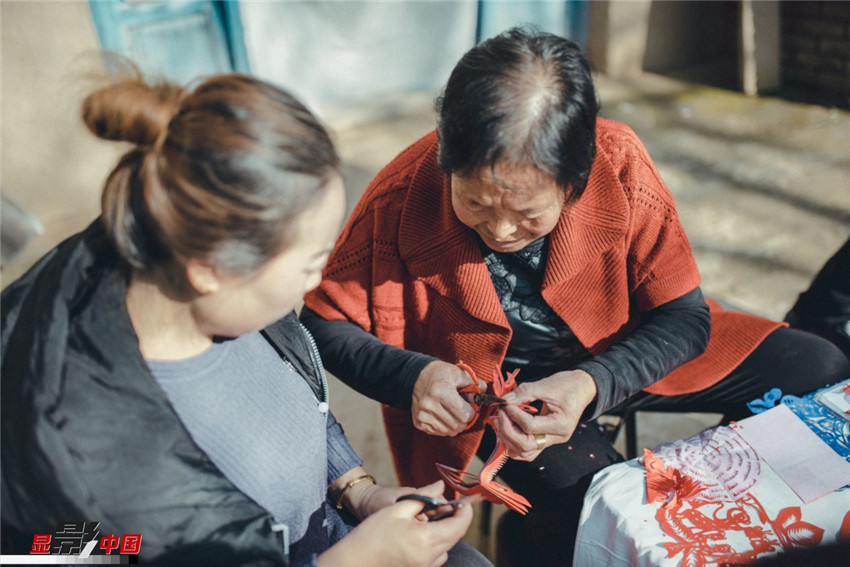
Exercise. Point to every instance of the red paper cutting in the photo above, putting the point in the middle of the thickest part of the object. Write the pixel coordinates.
(711, 532)
(844, 531)
(483, 484)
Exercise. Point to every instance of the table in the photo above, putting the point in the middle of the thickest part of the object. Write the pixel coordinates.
(721, 503)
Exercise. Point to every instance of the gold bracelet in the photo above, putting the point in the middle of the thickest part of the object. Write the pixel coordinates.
(349, 484)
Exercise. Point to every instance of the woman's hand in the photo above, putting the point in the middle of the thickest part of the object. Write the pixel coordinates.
(364, 497)
(438, 408)
(398, 534)
(373, 498)
(565, 395)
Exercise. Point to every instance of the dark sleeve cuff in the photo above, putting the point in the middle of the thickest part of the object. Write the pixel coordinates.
(605, 386)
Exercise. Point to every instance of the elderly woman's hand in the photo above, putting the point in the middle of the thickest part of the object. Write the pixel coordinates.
(438, 408)
(565, 395)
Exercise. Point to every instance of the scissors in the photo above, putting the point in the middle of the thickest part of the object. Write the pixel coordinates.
(432, 503)
(487, 400)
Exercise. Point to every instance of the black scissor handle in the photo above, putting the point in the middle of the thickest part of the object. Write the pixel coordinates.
(434, 503)
(430, 502)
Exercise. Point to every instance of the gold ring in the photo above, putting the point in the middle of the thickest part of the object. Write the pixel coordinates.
(541, 441)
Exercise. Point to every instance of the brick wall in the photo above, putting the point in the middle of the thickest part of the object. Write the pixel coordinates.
(816, 49)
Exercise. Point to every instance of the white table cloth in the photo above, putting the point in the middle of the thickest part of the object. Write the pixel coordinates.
(742, 511)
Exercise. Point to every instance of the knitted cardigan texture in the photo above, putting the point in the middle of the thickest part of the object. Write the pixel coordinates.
(408, 271)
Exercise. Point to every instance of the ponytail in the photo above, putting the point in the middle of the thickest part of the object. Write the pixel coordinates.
(130, 110)
(217, 173)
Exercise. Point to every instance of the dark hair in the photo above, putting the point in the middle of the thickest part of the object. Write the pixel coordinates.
(217, 173)
(523, 98)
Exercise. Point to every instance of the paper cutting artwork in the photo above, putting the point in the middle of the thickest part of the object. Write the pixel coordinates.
(832, 430)
(724, 465)
(712, 533)
(706, 532)
(666, 484)
(468, 484)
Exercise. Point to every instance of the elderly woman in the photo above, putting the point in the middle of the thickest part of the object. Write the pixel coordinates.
(155, 378)
(528, 233)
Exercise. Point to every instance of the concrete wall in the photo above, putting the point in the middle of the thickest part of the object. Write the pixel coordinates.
(816, 48)
(683, 34)
(626, 38)
(730, 44)
(617, 33)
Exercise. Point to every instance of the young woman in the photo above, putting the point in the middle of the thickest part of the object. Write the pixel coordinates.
(154, 377)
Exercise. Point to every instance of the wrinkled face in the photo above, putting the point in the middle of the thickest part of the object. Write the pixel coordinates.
(243, 304)
(509, 207)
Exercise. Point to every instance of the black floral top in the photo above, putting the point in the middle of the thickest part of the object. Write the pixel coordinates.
(541, 343)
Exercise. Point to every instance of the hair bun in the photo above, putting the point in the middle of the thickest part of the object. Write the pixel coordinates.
(131, 110)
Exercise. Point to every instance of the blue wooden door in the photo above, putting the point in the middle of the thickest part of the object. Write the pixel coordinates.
(567, 18)
(179, 41)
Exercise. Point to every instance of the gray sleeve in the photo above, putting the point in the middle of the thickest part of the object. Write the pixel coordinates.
(341, 455)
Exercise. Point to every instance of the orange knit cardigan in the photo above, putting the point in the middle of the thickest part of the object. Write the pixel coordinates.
(407, 271)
